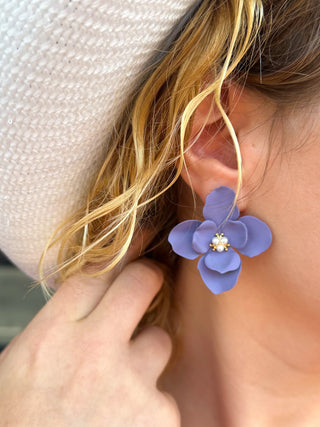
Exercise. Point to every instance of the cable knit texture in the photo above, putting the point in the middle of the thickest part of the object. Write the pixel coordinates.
(66, 67)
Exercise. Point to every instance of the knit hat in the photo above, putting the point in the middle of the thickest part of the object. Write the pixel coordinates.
(66, 68)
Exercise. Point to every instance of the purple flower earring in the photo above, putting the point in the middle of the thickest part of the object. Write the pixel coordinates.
(215, 237)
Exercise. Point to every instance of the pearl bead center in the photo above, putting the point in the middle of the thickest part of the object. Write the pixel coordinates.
(220, 243)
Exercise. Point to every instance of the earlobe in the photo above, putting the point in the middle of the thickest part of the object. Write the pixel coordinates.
(206, 173)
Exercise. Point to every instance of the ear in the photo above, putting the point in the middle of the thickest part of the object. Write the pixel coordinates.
(210, 159)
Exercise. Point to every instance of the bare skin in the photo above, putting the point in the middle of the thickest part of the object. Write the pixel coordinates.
(251, 356)
(75, 365)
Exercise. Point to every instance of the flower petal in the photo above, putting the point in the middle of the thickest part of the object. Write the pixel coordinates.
(180, 238)
(259, 236)
(218, 205)
(215, 281)
(236, 232)
(203, 236)
(222, 262)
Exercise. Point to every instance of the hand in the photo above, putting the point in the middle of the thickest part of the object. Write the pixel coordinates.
(75, 365)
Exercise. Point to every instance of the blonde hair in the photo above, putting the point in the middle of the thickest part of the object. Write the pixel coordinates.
(134, 190)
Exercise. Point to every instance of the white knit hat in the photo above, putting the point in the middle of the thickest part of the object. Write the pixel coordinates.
(66, 67)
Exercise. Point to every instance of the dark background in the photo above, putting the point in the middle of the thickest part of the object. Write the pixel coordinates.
(18, 304)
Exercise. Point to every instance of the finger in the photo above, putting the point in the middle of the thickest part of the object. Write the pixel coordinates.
(151, 351)
(78, 296)
(122, 307)
(174, 414)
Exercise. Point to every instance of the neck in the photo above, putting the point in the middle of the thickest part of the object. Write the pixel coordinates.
(251, 356)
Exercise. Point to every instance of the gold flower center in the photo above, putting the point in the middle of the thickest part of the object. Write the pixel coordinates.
(220, 243)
